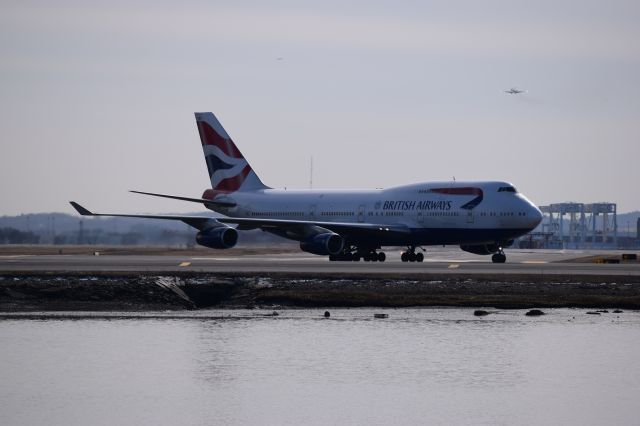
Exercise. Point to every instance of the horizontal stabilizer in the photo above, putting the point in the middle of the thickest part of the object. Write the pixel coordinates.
(193, 200)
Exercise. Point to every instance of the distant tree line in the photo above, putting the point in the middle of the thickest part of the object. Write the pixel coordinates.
(15, 236)
(63, 229)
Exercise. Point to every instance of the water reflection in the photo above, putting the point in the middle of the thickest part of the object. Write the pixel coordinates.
(240, 367)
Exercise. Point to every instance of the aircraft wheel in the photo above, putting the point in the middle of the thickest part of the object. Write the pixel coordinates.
(412, 257)
(499, 258)
(333, 257)
(419, 257)
(382, 257)
(404, 256)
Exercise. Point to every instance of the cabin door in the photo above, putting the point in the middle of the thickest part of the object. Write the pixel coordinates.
(470, 216)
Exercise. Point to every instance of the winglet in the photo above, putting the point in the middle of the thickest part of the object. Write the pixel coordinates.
(80, 209)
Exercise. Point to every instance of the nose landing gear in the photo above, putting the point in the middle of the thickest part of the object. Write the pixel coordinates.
(499, 257)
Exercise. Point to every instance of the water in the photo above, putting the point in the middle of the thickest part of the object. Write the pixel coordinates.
(419, 366)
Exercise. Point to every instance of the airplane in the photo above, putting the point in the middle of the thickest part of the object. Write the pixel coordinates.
(514, 91)
(349, 225)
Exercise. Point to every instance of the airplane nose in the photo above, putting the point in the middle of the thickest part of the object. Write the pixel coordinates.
(535, 215)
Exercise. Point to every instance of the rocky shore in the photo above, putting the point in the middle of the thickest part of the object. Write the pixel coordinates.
(133, 292)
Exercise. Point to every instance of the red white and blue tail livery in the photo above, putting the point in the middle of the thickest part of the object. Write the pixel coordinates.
(228, 169)
(481, 217)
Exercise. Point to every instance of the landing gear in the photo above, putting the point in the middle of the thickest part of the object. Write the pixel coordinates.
(374, 256)
(499, 257)
(345, 256)
(354, 254)
(411, 256)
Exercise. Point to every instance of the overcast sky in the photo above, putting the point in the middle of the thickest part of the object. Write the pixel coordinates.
(98, 98)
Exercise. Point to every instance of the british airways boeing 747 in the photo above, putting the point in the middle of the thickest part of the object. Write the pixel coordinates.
(349, 225)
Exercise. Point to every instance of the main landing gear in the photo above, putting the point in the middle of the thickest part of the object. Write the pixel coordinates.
(352, 254)
(411, 256)
(499, 257)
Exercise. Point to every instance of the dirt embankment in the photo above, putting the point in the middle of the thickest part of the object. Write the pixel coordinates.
(33, 292)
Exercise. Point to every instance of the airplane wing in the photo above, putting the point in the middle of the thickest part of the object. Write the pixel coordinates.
(302, 227)
(293, 228)
(198, 222)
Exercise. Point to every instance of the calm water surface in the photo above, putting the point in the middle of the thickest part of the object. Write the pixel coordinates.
(419, 366)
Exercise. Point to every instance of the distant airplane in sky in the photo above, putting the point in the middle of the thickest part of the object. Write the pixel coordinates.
(514, 91)
(349, 225)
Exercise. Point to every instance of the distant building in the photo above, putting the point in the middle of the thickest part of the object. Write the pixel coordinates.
(579, 225)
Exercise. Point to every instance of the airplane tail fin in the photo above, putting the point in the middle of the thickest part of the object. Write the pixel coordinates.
(228, 169)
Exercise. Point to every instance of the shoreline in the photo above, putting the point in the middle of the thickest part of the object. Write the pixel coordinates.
(79, 291)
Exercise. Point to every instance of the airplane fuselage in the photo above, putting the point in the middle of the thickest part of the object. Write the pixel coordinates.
(434, 212)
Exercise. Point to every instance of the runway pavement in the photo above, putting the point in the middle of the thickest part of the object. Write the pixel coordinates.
(438, 261)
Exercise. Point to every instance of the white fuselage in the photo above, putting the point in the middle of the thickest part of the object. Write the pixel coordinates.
(436, 212)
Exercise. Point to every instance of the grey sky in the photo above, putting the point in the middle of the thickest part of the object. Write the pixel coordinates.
(98, 97)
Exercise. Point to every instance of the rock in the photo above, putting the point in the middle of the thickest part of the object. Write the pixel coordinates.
(534, 313)
(603, 311)
(480, 313)
(617, 311)
(381, 315)
(327, 314)
(593, 313)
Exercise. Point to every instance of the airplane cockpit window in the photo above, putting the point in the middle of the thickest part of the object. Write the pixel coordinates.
(507, 189)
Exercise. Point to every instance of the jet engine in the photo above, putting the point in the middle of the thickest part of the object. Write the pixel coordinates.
(481, 248)
(323, 244)
(220, 237)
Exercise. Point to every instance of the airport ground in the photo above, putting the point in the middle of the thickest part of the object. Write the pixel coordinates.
(36, 278)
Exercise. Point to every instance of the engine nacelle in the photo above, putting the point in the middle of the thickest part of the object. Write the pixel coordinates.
(221, 237)
(481, 248)
(323, 244)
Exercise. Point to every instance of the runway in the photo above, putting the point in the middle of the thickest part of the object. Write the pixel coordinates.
(138, 279)
(442, 261)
